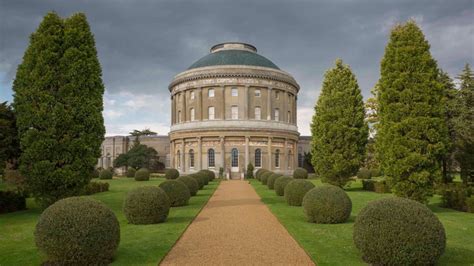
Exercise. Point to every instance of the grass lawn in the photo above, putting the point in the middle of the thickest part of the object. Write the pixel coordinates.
(333, 245)
(139, 244)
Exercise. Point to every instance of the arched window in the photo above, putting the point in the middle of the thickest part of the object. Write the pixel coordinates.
(258, 158)
(211, 162)
(178, 159)
(210, 111)
(191, 114)
(235, 158)
(277, 159)
(191, 158)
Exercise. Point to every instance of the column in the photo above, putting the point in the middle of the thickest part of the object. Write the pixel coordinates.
(295, 151)
(269, 104)
(246, 104)
(184, 112)
(172, 110)
(223, 154)
(285, 158)
(223, 103)
(199, 153)
(183, 164)
(199, 108)
(269, 153)
(246, 152)
(294, 109)
(172, 155)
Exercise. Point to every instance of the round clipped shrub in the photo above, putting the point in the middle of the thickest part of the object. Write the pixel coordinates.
(259, 173)
(106, 174)
(271, 180)
(171, 173)
(204, 177)
(78, 231)
(280, 184)
(265, 177)
(209, 174)
(142, 175)
(398, 231)
(300, 173)
(199, 178)
(131, 172)
(295, 191)
(327, 205)
(146, 205)
(191, 183)
(177, 191)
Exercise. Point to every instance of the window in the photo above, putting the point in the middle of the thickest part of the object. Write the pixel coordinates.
(234, 112)
(211, 160)
(258, 158)
(258, 113)
(277, 114)
(210, 93)
(300, 157)
(178, 159)
(277, 159)
(234, 91)
(210, 111)
(290, 160)
(257, 93)
(235, 158)
(289, 117)
(191, 158)
(179, 116)
(277, 95)
(192, 114)
(192, 95)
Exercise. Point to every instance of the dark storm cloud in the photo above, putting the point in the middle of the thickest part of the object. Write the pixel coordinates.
(143, 44)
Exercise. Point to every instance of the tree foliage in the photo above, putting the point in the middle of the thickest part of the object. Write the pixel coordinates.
(58, 102)
(339, 131)
(412, 134)
(138, 133)
(9, 143)
(139, 156)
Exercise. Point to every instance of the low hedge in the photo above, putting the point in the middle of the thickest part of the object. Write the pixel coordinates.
(300, 173)
(377, 185)
(280, 184)
(142, 175)
(191, 183)
(177, 192)
(271, 180)
(295, 191)
(259, 173)
(106, 174)
(146, 205)
(264, 177)
(398, 231)
(131, 172)
(95, 187)
(209, 174)
(171, 173)
(327, 205)
(204, 177)
(11, 201)
(78, 231)
(200, 179)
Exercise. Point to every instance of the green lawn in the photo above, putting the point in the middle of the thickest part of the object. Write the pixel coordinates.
(333, 245)
(139, 244)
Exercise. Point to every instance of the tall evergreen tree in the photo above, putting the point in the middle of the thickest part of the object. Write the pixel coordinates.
(464, 125)
(339, 131)
(9, 143)
(412, 134)
(58, 103)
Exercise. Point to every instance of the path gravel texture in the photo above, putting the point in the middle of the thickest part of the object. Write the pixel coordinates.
(236, 228)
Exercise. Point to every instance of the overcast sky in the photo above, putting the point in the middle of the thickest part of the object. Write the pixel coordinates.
(143, 44)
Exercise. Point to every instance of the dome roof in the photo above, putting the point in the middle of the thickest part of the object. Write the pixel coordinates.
(233, 54)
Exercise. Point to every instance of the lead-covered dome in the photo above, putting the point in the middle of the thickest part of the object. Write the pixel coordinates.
(233, 53)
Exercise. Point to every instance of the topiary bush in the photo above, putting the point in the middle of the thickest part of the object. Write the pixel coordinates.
(171, 173)
(95, 187)
(146, 205)
(209, 174)
(398, 231)
(131, 172)
(191, 183)
(260, 172)
(327, 205)
(142, 175)
(106, 174)
(271, 180)
(206, 176)
(280, 184)
(300, 173)
(199, 178)
(295, 191)
(265, 176)
(177, 192)
(78, 231)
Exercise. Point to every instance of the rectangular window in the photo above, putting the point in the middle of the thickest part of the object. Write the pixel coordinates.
(257, 93)
(192, 95)
(234, 112)
(192, 114)
(211, 112)
(234, 91)
(277, 95)
(210, 93)
(277, 114)
(258, 113)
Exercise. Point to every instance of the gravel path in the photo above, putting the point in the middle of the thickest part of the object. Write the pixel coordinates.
(236, 228)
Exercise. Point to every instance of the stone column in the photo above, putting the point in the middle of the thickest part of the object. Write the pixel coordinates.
(199, 166)
(172, 155)
(269, 153)
(246, 103)
(223, 103)
(183, 164)
(247, 158)
(285, 157)
(172, 110)
(199, 109)
(295, 152)
(269, 104)
(294, 109)
(184, 111)
(223, 153)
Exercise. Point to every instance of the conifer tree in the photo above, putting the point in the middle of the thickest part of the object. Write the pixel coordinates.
(411, 135)
(58, 103)
(339, 131)
(9, 143)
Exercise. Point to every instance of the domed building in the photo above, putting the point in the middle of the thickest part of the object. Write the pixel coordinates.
(231, 108)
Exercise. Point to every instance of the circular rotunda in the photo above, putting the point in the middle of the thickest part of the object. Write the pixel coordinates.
(231, 108)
